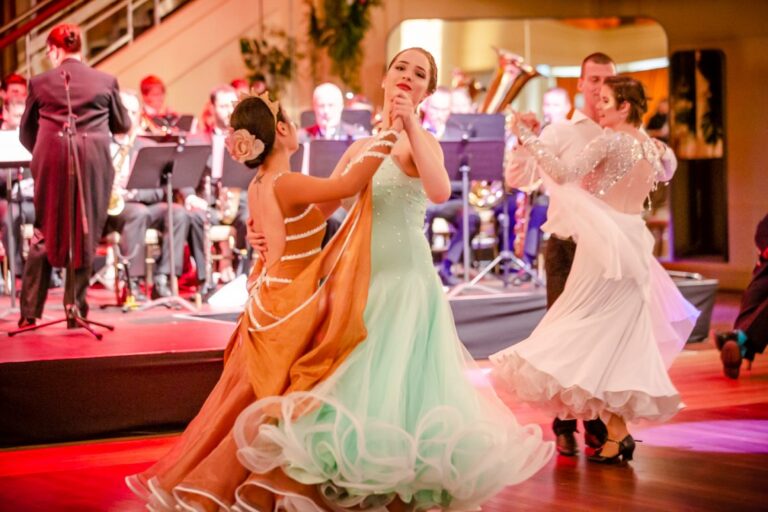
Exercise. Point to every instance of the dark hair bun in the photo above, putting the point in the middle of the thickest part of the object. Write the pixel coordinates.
(254, 115)
(65, 36)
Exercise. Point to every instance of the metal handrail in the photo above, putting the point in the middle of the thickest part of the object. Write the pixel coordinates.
(18, 19)
(49, 13)
(96, 13)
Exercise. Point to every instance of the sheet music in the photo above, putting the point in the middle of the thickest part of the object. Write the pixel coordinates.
(217, 156)
(11, 150)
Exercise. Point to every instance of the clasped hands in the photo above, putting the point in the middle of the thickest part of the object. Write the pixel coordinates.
(515, 120)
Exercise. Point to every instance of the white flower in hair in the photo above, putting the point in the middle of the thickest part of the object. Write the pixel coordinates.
(243, 145)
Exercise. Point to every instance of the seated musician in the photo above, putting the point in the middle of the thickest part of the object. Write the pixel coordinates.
(437, 110)
(156, 116)
(21, 195)
(202, 210)
(143, 209)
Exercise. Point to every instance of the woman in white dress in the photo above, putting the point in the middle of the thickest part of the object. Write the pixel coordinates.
(604, 347)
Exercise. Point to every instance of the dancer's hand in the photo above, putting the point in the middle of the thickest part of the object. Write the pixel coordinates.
(257, 240)
(518, 120)
(513, 122)
(402, 110)
(660, 146)
(530, 120)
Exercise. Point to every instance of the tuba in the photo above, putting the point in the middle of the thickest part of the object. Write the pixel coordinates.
(511, 75)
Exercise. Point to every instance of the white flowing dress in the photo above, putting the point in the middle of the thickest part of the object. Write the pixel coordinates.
(606, 343)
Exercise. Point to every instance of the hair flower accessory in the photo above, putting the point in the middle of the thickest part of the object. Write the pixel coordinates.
(243, 145)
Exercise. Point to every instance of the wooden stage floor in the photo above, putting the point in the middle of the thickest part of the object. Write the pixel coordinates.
(711, 456)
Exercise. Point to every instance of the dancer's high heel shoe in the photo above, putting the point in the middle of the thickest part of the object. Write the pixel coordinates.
(626, 450)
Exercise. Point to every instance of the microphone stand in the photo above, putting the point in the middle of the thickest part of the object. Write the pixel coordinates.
(72, 317)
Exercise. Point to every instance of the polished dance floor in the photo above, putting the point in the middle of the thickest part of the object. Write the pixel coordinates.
(711, 456)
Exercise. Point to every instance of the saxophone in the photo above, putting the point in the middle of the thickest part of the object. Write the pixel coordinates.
(116, 201)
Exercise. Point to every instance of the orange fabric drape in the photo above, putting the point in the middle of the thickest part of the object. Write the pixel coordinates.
(322, 312)
(319, 326)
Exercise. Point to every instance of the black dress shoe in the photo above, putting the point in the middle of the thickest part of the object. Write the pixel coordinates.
(447, 278)
(722, 337)
(730, 355)
(566, 444)
(595, 433)
(160, 288)
(625, 453)
(26, 322)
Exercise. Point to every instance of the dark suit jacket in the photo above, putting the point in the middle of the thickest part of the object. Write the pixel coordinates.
(98, 112)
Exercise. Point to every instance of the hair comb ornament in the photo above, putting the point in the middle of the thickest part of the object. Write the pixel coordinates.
(273, 106)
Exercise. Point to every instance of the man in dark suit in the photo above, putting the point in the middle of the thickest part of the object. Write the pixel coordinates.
(98, 111)
(750, 331)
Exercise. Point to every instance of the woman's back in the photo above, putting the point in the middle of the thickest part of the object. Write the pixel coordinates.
(629, 193)
(293, 241)
(626, 174)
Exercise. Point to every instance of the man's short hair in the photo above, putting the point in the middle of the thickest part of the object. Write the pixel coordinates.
(328, 87)
(148, 82)
(559, 90)
(13, 78)
(597, 58)
(218, 89)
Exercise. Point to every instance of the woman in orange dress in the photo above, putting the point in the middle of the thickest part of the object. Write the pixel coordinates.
(201, 472)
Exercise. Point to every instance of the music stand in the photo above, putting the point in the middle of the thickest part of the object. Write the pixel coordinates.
(297, 159)
(475, 126)
(13, 158)
(506, 255)
(358, 118)
(483, 159)
(174, 166)
(324, 155)
(235, 174)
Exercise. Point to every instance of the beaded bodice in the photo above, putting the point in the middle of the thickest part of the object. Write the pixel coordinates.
(605, 166)
(398, 244)
(303, 238)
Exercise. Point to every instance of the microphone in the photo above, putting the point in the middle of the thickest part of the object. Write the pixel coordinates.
(65, 76)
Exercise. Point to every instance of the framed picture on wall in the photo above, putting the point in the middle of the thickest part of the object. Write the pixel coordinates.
(697, 104)
(699, 190)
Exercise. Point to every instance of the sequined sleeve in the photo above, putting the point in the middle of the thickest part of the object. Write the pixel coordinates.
(560, 171)
(661, 167)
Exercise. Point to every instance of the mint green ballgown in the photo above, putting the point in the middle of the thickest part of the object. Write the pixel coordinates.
(401, 417)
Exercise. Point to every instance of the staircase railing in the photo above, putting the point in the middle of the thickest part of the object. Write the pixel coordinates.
(106, 26)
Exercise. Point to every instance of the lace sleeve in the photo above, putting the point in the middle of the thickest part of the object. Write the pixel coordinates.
(563, 172)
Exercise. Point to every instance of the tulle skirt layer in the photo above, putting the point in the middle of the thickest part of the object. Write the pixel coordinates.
(605, 345)
(399, 421)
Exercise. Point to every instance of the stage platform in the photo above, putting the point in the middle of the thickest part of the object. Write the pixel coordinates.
(154, 371)
(711, 457)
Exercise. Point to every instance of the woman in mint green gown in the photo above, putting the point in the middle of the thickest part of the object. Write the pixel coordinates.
(401, 424)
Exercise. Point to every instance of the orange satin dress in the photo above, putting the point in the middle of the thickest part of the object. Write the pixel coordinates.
(301, 320)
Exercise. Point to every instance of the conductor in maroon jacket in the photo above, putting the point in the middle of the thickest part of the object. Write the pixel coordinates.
(98, 113)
